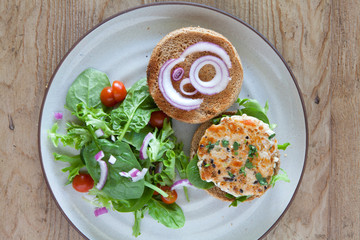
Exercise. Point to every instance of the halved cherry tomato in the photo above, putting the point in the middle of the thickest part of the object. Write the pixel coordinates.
(172, 195)
(157, 119)
(107, 97)
(119, 91)
(83, 182)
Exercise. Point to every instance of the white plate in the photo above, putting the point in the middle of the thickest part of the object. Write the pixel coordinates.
(121, 47)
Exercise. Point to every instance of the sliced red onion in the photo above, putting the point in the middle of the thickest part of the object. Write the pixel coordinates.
(181, 183)
(207, 47)
(100, 211)
(112, 137)
(183, 83)
(112, 159)
(58, 115)
(218, 83)
(144, 146)
(177, 74)
(134, 174)
(99, 132)
(99, 156)
(169, 92)
(103, 174)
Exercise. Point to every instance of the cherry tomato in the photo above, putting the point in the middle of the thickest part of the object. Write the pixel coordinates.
(107, 97)
(157, 119)
(83, 182)
(119, 91)
(172, 195)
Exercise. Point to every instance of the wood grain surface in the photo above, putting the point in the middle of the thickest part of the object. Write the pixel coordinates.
(319, 39)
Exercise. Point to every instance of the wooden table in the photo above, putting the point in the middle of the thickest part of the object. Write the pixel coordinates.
(319, 39)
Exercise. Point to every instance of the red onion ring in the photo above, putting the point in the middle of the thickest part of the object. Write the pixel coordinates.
(183, 83)
(181, 183)
(177, 74)
(218, 83)
(167, 89)
(208, 47)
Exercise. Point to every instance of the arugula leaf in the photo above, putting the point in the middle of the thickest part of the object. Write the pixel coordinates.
(116, 186)
(86, 89)
(75, 165)
(193, 174)
(280, 176)
(134, 112)
(161, 143)
(170, 215)
(95, 117)
(283, 146)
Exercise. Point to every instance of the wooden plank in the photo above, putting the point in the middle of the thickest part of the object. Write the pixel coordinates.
(344, 221)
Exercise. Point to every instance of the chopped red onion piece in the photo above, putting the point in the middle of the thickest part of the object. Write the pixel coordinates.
(100, 211)
(112, 137)
(103, 174)
(99, 132)
(112, 159)
(144, 146)
(134, 174)
(177, 74)
(181, 183)
(99, 156)
(58, 115)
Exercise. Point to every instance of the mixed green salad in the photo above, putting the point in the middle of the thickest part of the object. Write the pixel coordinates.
(125, 163)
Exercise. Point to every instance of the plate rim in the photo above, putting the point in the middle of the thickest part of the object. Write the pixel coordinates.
(191, 4)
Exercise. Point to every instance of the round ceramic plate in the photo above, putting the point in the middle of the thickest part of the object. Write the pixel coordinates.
(121, 47)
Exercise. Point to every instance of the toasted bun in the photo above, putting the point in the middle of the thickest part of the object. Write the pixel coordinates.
(215, 191)
(171, 47)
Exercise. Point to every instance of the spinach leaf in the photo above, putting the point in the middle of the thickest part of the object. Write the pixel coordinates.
(169, 215)
(116, 186)
(193, 174)
(252, 107)
(280, 176)
(135, 111)
(75, 165)
(86, 89)
(136, 139)
(132, 205)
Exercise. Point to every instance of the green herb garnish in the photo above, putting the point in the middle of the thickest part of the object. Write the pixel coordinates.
(249, 164)
(236, 146)
(237, 199)
(271, 136)
(231, 175)
(252, 151)
(210, 146)
(261, 180)
(242, 170)
(225, 143)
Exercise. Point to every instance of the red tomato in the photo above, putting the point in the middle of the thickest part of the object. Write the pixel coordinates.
(157, 119)
(119, 91)
(83, 182)
(172, 195)
(107, 97)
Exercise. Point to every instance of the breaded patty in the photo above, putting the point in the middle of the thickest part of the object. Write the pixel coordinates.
(239, 155)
